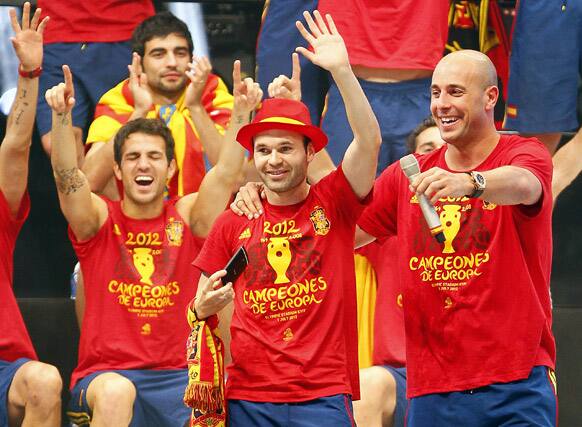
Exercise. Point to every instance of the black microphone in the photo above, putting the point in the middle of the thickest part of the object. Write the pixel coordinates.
(410, 167)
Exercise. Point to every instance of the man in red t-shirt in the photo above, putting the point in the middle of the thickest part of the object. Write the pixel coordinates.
(30, 391)
(135, 255)
(294, 338)
(477, 310)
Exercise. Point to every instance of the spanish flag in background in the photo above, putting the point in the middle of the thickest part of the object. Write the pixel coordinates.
(115, 108)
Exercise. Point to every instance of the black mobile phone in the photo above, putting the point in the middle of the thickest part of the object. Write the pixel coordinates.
(236, 266)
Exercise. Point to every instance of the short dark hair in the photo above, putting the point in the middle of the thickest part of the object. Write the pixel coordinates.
(154, 127)
(160, 25)
(424, 125)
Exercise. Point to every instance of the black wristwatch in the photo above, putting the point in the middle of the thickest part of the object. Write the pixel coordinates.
(479, 184)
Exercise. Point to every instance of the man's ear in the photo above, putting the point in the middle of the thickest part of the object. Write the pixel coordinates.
(171, 169)
(117, 171)
(491, 97)
(310, 151)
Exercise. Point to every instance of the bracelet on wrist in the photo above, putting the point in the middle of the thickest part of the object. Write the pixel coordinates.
(29, 74)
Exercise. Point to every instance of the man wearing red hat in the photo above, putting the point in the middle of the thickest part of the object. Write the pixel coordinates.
(294, 338)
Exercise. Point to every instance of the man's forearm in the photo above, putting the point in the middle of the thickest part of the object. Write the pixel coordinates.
(359, 112)
(22, 114)
(232, 154)
(210, 137)
(511, 185)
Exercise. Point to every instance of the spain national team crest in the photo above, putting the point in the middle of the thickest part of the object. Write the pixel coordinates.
(174, 232)
(321, 224)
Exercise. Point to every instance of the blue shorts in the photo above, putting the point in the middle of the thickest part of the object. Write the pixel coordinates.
(544, 67)
(528, 402)
(277, 40)
(96, 68)
(399, 375)
(7, 372)
(158, 401)
(330, 411)
(399, 108)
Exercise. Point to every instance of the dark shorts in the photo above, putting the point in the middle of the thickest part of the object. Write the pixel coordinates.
(399, 108)
(399, 375)
(545, 65)
(7, 372)
(528, 402)
(277, 40)
(330, 411)
(158, 402)
(96, 68)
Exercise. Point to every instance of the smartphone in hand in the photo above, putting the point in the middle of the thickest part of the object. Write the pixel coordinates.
(235, 266)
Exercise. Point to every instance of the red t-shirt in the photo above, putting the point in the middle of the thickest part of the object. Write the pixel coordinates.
(389, 341)
(398, 34)
(477, 309)
(14, 340)
(138, 282)
(294, 327)
(93, 20)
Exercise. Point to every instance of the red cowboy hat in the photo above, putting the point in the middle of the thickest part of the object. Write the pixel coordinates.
(286, 114)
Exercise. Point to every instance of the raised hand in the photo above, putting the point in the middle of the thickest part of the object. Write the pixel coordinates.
(61, 98)
(329, 49)
(247, 94)
(27, 40)
(198, 73)
(138, 85)
(285, 87)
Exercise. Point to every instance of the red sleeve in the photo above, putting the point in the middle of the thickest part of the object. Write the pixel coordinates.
(217, 248)
(532, 155)
(336, 188)
(379, 218)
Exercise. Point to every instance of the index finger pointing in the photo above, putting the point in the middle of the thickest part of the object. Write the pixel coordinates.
(68, 77)
(296, 67)
(236, 78)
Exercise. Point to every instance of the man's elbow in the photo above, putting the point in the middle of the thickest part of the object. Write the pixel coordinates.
(530, 190)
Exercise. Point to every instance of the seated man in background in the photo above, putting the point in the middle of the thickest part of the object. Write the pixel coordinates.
(30, 391)
(173, 85)
(136, 256)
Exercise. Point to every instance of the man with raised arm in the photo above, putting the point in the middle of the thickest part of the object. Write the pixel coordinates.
(135, 255)
(294, 338)
(30, 391)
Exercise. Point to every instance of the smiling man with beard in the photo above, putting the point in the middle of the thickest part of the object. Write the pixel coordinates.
(135, 256)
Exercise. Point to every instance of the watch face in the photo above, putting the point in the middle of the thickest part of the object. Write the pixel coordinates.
(479, 179)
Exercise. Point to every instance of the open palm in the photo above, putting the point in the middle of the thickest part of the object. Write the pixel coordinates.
(27, 40)
(329, 49)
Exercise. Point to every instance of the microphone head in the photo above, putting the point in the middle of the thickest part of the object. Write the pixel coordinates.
(409, 165)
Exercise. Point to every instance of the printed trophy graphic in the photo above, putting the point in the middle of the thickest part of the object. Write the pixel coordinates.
(279, 256)
(451, 221)
(143, 261)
